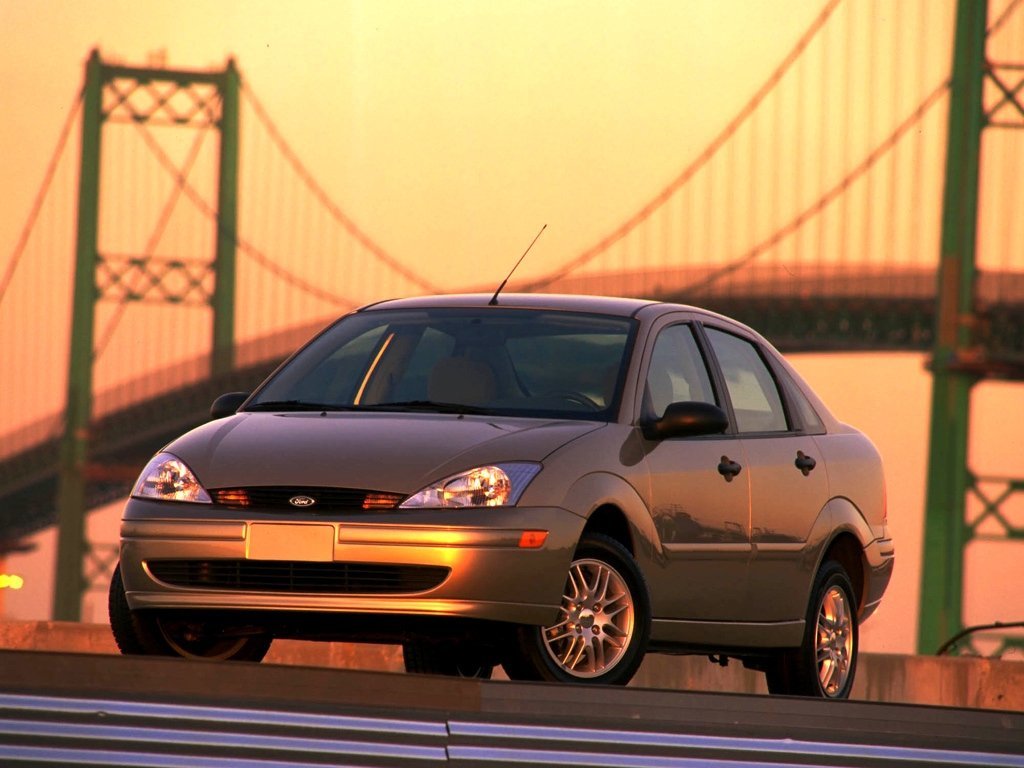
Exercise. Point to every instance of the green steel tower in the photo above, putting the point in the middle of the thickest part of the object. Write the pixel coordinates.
(141, 96)
(964, 353)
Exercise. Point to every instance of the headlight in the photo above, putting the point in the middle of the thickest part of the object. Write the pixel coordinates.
(168, 478)
(496, 485)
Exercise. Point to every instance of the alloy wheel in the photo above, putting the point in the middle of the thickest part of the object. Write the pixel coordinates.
(596, 622)
(834, 648)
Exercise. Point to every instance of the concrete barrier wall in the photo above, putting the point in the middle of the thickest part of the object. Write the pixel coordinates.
(940, 681)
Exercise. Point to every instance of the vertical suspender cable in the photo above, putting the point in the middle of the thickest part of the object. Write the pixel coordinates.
(823, 164)
(755, 184)
(776, 174)
(867, 228)
(844, 208)
(890, 252)
(799, 155)
(917, 148)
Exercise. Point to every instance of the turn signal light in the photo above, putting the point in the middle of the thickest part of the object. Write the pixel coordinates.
(232, 497)
(532, 539)
(375, 500)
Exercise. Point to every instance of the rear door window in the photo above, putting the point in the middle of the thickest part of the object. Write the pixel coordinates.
(753, 390)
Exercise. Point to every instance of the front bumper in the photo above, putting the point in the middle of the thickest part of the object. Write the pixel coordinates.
(478, 567)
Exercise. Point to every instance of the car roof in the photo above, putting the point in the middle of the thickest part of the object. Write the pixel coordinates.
(598, 304)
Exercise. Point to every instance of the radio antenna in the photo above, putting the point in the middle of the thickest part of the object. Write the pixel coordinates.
(494, 298)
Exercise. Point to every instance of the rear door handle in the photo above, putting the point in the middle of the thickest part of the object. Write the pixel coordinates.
(804, 463)
(728, 468)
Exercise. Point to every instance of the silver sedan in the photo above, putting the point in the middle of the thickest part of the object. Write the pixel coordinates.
(555, 484)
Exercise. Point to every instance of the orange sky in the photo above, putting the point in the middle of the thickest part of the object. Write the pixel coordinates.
(452, 129)
(446, 129)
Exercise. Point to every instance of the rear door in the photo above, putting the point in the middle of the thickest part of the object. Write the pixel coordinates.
(787, 476)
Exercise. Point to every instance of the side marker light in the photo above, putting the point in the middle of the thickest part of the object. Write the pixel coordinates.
(532, 539)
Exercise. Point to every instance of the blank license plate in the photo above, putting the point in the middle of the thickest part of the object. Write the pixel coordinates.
(268, 541)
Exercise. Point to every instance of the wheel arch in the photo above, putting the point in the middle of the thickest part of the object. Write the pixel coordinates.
(610, 520)
(846, 550)
(613, 507)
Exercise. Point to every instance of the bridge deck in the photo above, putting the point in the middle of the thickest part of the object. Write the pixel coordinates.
(845, 308)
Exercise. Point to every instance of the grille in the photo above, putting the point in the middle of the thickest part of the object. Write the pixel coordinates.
(289, 576)
(326, 499)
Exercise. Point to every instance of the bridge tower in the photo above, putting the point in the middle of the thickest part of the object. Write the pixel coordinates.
(964, 352)
(140, 95)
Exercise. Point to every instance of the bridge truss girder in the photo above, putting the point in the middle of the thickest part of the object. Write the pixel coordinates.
(112, 94)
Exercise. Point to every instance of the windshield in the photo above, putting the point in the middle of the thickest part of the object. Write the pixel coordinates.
(487, 360)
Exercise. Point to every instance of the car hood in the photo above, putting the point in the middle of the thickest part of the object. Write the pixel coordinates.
(400, 453)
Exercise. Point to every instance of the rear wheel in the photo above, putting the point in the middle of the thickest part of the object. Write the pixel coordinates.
(603, 625)
(449, 659)
(149, 634)
(825, 664)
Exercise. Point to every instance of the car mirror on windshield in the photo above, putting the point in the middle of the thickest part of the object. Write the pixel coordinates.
(687, 419)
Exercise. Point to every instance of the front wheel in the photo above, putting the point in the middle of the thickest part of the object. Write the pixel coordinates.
(825, 663)
(139, 633)
(603, 625)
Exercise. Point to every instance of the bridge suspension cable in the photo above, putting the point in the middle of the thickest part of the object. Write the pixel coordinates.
(181, 176)
(40, 198)
(705, 156)
(1004, 17)
(828, 198)
(325, 200)
(243, 244)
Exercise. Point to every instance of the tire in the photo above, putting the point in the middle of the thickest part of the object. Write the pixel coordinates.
(146, 634)
(133, 637)
(604, 624)
(825, 663)
(449, 659)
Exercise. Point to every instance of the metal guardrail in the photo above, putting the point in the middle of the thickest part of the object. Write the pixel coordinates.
(65, 730)
(54, 730)
(490, 744)
(74, 731)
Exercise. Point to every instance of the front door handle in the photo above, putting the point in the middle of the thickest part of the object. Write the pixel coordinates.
(728, 468)
(804, 463)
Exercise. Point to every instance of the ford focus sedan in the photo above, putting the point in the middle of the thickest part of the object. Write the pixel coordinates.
(554, 484)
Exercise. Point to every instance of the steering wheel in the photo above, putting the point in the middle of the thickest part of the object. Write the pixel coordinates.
(572, 396)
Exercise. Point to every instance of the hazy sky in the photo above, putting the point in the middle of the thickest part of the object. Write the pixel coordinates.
(446, 129)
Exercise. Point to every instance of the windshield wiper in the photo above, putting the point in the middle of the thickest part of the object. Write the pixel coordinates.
(429, 406)
(295, 405)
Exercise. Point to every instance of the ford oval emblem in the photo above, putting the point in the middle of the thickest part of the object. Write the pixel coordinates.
(301, 501)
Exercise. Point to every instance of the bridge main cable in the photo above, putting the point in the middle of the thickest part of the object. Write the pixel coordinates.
(702, 159)
(37, 204)
(328, 203)
(829, 197)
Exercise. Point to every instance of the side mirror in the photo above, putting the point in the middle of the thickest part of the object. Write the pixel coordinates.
(226, 405)
(687, 419)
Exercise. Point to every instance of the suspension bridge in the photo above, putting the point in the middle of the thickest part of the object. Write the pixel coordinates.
(837, 210)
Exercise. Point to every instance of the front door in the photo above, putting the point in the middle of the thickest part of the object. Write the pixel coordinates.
(699, 494)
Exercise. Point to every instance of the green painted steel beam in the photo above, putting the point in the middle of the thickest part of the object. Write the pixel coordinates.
(227, 227)
(182, 77)
(74, 450)
(99, 278)
(946, 532)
